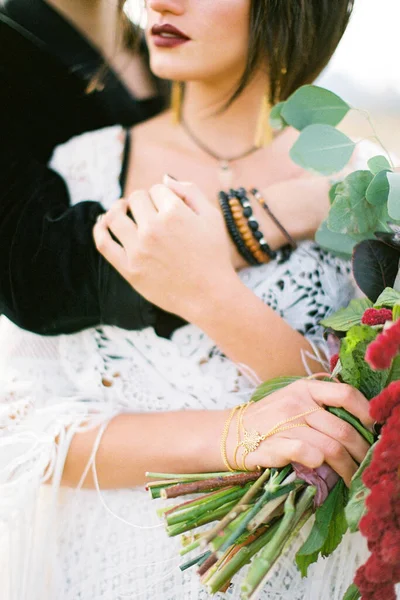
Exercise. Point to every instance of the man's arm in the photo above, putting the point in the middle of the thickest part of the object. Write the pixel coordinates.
(52, 279)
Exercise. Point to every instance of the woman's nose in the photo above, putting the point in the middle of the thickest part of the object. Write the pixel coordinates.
(175, 7)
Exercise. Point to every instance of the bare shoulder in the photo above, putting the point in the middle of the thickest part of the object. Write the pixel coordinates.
(155, 131)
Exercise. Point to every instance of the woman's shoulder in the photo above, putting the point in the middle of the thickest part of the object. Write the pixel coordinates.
(91, 165)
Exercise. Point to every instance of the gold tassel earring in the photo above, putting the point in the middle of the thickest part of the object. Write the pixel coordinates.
(177, 101)
(264, 133)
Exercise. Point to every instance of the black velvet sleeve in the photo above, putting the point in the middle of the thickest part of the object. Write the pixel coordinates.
(52, 279)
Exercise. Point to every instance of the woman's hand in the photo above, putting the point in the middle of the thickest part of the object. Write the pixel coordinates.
(175, 252)
(325, 439)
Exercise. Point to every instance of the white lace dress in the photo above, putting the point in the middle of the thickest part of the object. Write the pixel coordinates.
(63, 544)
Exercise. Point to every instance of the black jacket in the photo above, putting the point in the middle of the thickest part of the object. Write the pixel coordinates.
(52, 280)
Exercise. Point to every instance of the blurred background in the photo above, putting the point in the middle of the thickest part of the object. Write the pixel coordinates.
(365, 70)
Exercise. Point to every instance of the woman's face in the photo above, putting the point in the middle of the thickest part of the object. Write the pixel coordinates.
(198, 40)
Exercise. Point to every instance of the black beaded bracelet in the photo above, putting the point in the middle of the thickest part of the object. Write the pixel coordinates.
(253, 224)
(233, 230)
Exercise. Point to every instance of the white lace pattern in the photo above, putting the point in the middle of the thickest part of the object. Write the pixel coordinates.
(65, 542)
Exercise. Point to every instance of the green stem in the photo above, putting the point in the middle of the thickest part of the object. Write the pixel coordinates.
(174, 530)
(239, 508)
(273, 489)
(376, 136)
(206, 506)
(195, 561)
(190, 503)
(349, 418)
(270, 553)
(239, 560)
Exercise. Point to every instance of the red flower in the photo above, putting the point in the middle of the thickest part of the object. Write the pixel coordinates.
(381, 407)
(333, 362)
(377, 571)
(376, 316)
(381, 351)
(390, 547)
(371, 526)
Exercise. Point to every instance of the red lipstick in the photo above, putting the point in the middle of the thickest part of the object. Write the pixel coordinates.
(168, 36)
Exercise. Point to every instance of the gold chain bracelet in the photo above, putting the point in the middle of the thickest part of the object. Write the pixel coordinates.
(224, 438)
(252, 439)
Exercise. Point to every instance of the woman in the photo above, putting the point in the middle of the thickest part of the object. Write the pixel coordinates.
(123, 396)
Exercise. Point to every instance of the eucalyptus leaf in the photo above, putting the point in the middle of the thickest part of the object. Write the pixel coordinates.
(375, 266)
(345, 318)
(311, 104)
(388, 298)
(352, 593)
(333, 191)
(379, 163)
(355, 507)
(268, 387)
(338, 243)
(329, 527)
(394, 195)
(275, 117)
(378, 190)
(351, 213)
(322, 149)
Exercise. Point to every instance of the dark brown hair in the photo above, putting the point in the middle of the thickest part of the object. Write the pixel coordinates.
(294, 40)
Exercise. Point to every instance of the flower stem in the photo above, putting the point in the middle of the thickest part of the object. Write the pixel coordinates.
(270, 553)
(239, 560)
(227, 495)
(239, 508)
(208, 485)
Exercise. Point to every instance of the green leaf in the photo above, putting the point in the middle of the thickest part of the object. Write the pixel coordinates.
(388, 298)
(345, 318)
(338, 243)
(352, 593)
(322, 149)
(375, 266)
(268, 387)
(329, 527)
(276, 120)
(333, 192)
(355, 507)
(394, 195)
(394, 373)
(351, 213)
(379, 163)
(396, 311)
(355, 371)
(378, 190)
(311, 104)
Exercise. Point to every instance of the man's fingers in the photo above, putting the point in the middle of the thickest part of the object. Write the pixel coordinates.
(142, 207)
(189, 193)
(111, 250)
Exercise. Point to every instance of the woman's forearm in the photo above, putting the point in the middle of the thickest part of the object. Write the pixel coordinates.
(251, 333)
(171, 442)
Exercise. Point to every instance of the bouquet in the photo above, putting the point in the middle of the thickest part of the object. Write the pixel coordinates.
(255, 516)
